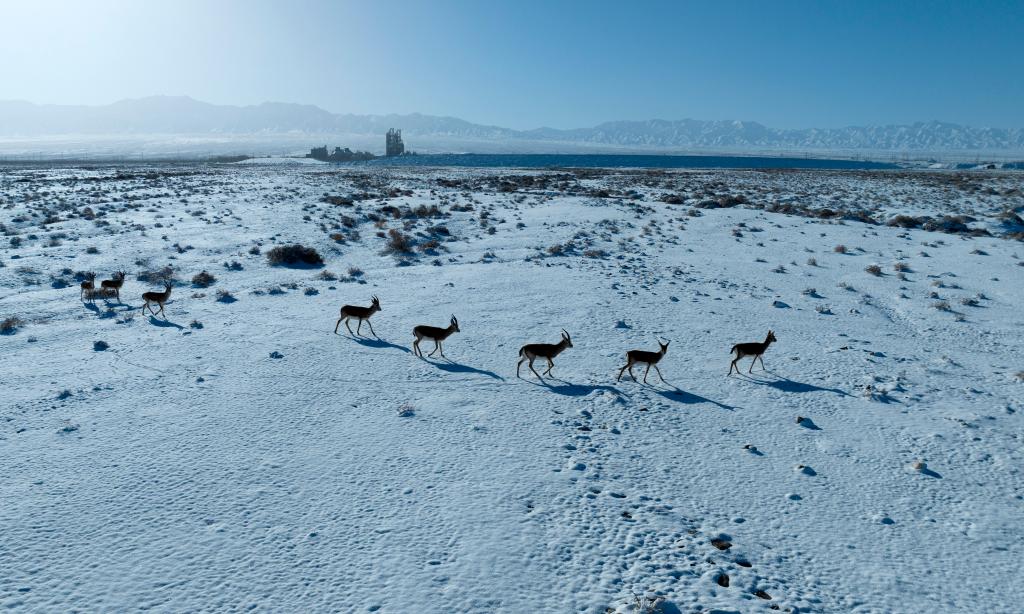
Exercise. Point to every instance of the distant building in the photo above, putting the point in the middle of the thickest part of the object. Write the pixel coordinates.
(394, 145)
(338, 155)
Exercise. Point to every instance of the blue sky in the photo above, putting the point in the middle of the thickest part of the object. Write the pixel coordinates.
(527, 64)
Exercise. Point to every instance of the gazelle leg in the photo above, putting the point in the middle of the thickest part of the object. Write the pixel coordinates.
(732, 365)
(518, 365)
(621, 371)
(336, 325)
(646, 371)
(162, 310)
(371, 329)
(751, 369)
(534, 370)
(659, 374)
(551, 365)
(440, 347)
(631, 374)
(760, 357)
(349, 328)
(437, 344)
(416, 348)
(359, 326)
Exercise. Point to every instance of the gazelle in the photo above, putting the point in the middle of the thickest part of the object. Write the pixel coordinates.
(361, 314)
(157, 297)
(114, 284)
(435, 334)
(547, 351)
(754, 349)
(89, 285)
(651, 359)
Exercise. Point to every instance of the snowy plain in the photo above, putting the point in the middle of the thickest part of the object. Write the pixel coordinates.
(237, 455)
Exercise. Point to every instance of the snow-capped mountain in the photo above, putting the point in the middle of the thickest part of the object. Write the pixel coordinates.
(183, 115)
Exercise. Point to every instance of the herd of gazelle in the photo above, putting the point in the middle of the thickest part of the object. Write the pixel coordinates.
(548, 351)
(113, 286)
(528, 353)
(106, 286)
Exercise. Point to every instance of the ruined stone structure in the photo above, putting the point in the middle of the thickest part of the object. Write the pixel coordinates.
(338, 155)
(394, 145)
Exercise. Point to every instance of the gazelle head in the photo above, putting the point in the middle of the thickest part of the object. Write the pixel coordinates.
(90, 277)
(375, 303)
(771, 337)
(120, 275)
(566, 339)
(454, 324)
(167, 287)
(664, 346)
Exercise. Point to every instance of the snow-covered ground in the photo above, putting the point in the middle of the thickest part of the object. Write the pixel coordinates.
(239, 455)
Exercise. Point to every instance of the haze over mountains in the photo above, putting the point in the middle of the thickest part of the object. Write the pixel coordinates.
(179, 115)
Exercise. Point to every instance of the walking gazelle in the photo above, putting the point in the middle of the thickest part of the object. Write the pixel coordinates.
(547, 351)
(751, 349)
(89, 286)
(435, 334)
(156, 297)
(114, 284)
(361, 314)
(651, 359)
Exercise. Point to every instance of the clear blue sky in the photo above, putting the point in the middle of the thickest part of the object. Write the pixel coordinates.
(527, 64)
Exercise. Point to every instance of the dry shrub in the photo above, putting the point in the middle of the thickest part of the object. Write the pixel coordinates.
(293, 255)
(203, 280)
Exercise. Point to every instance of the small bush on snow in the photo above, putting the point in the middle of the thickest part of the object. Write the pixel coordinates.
(294, 254)
(10, 325)
(203, 280)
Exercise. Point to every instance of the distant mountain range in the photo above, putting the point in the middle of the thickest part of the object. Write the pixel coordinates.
(170, 115)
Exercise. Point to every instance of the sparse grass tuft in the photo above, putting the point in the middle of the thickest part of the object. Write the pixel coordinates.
(11, 325)
(399, 242)
(840, 249)
(203, 280)
(874, 269)
(293, 255)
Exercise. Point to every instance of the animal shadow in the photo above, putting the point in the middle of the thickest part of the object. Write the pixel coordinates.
(378, 343)
(787, 385)
(687, 398)
(565, 388)
(454, 367)
(164, 323)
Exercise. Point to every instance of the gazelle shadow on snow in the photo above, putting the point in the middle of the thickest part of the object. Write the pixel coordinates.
(575, 390)
(164, 323)
(681, 396)
(787, 385)
(378, 343)
(454, 367)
